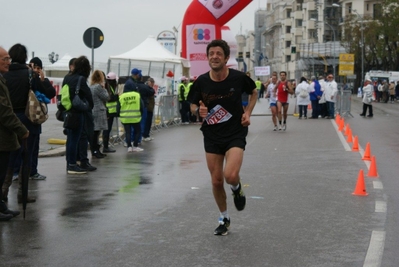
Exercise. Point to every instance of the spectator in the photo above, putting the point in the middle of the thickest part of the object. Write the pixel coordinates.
(81, 69)
(150, 113)
(11, 129)
(19, 84)
(100, 97)
(302, 95)
(111, 85)
(315, 95)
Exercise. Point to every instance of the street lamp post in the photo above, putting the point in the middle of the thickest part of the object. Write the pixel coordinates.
(361, 36)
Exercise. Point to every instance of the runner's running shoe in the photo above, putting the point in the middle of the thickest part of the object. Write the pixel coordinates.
(284, 126)
(239, 198)
(223, 228)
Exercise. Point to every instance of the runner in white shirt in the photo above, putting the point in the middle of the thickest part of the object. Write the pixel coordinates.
(271, 94)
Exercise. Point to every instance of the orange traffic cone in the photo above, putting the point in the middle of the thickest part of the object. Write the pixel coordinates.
(366, 155)
(341, 124)
(355, 146)
(347, 128)
(349, 139)
(373, 168)
(360, 189)
(337, 119)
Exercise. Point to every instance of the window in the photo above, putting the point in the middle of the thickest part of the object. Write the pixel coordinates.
(287, 58)
(288, 13)
(288, 29)
(298, 23)
(312, 14)
(377, 11)
(312, 33)
(287, 44)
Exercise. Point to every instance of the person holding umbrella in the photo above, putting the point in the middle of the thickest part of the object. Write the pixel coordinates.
(11, 128)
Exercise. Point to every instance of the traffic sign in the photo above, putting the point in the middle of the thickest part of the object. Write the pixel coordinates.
(93, 37)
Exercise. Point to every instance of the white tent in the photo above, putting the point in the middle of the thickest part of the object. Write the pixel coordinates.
(59, 68)
(61, 64)
(149, 56)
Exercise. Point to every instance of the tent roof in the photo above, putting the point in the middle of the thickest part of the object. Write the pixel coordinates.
(61, 64)
(152, 51)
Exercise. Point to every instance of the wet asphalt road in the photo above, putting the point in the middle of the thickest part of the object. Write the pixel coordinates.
(156, 208)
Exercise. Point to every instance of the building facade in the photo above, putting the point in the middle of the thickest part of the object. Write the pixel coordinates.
(301, 37)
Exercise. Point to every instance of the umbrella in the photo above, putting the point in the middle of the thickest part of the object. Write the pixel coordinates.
(25, 173)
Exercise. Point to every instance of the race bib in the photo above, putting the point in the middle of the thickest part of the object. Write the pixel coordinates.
(217, 115)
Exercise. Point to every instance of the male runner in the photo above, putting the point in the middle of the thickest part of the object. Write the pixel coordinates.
(216, 97)
(282, 90)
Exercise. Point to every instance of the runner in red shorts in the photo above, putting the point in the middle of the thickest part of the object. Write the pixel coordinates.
(282, 89)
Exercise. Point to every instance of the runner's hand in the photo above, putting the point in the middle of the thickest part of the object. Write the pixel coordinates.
(203, 110)
(245, 121)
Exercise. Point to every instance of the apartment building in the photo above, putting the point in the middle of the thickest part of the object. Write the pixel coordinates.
(301, 37)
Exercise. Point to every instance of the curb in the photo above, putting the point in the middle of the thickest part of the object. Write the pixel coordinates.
(57, 152)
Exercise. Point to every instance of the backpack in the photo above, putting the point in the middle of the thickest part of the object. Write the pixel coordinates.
(63, 102)
(303, 93)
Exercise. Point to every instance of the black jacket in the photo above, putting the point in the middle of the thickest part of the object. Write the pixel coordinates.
(18, 85)
(84, 92)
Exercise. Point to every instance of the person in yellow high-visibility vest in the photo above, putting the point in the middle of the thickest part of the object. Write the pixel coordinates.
(130, 109)
(258, 84)
(111, 86)
(184, 104)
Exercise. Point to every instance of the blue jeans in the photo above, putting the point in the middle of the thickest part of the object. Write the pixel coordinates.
(73, 137)
(142, 126)
(331, 109)
(303, 109)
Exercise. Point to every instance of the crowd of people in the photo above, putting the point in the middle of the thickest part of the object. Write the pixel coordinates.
(320, 93)
(17, 79)
(134, 106)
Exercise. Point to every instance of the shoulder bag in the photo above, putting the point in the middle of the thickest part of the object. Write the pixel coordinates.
(78, 103)
(35, 110)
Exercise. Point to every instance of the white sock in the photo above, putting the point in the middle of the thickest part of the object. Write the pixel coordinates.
(224, 214)
(234, 188)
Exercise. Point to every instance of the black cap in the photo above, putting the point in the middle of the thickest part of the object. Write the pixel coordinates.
(36, 62)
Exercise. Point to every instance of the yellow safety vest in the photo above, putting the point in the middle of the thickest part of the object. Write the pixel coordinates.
(186, 90)
(258, 84)
(130, 107)
(111, 106)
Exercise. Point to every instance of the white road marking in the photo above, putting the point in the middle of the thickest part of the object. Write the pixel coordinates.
(341, 137)
(380, 206)
(377, 240)
(375, 250)
(378, 185)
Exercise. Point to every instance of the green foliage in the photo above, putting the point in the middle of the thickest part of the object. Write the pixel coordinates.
(381, 37)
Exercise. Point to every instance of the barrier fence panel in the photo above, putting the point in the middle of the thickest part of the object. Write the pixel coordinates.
(345, 103)
(338, 102)
(168, 107)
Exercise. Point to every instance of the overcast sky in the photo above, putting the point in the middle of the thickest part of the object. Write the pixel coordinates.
(44, 26)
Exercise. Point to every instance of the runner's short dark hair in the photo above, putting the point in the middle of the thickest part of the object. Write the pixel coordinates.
(222, 44)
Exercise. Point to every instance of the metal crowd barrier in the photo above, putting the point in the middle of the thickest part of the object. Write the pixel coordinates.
(343, 103)
(166, 113)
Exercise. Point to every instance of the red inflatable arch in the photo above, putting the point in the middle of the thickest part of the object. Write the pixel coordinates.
(202, 23)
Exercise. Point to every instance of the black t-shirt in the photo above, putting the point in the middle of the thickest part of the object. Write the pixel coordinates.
(224, 102)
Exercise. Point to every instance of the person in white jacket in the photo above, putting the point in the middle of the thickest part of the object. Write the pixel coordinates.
(367, 99)
(302, 95)
(330, 95)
